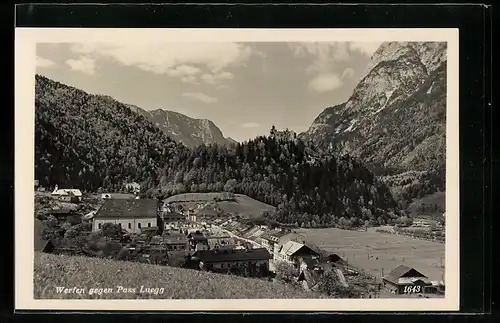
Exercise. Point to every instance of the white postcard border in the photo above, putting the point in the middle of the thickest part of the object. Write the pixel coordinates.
(25, 58)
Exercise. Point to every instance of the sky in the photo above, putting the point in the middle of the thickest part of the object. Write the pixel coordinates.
(244, 88)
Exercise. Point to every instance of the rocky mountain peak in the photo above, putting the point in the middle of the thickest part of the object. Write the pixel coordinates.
(189, 131)
(395, 114)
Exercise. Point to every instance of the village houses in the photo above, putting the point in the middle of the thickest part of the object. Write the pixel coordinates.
(250, 262)
(270, 238)
(67, 194)
(130, 214)
(171, 218)
(407, 280)
(175, 242)
(291, 251)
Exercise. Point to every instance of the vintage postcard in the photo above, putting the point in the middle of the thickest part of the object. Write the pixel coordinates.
(237, 169)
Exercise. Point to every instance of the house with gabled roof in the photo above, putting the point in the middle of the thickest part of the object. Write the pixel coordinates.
(406, 280)
(67, 193)
(292, 251)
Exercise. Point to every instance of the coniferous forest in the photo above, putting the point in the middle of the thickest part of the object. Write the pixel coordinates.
(91, 142)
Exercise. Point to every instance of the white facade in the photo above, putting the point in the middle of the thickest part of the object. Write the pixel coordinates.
(132, 225)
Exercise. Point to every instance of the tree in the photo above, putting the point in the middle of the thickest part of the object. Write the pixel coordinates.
(202, 187)
(230, 185)
(111, 230)
(286, 272)
(408, 221)
(51, 229)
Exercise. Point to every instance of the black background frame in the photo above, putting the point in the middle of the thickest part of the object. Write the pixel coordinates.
(475, 112)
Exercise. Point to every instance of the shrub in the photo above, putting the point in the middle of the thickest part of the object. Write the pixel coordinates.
(286, 272)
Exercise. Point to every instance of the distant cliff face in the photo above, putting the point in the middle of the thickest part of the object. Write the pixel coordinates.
(189, 131)
(396, 116)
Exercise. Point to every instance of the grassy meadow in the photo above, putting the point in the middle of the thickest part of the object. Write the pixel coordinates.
(105, 277)
(376, 252)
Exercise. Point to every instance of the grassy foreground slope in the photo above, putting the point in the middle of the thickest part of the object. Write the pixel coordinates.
(53, 271)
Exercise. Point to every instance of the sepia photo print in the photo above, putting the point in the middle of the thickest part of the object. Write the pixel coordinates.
(289, 167)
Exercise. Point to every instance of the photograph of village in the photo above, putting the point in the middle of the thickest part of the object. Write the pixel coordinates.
(238, 170)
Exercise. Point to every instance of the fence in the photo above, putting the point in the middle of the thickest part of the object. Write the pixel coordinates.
(414, 235)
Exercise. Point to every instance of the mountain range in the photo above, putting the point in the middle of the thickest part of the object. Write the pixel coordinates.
(394, 123)
(96, 142)
(395, 119)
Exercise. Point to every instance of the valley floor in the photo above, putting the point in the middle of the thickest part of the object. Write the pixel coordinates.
(378, 253)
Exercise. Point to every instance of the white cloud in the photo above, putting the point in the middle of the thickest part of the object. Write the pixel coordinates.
(44, 62)
(347, 73)
(367, 48)
(83, 64)
(250, 125)
(325, 82)
(162, 58)
(325, 54)
(183, 70)
(189, 79)
(199, 97)
(214, 78)
(322, 50)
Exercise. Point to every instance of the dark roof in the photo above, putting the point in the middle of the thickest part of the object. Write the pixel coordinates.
(149, 229)
(334, 257)
(265, 236)
(401, 271)
(233, 255)
(172, 214)
(125, 208)
(279, 234)
(196, 234)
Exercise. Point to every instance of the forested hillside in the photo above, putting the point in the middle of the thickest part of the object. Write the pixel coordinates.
(285, 173)
(91, 141)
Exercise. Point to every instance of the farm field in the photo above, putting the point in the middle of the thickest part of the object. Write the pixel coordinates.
(361, 250)
(243, 205)
(51, 271)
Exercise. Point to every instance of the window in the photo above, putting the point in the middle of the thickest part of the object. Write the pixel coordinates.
(139, 225)
(100, 225)
(149, 225)
(130, 225)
